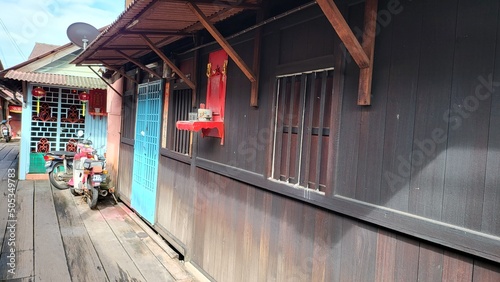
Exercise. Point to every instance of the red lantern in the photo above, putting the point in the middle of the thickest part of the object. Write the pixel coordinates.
(38, 93)
(84, 98)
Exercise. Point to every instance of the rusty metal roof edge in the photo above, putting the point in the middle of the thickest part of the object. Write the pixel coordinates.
(56, 79)
(137, 7)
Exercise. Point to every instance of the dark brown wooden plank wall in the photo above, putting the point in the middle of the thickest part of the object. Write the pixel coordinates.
(469, 122)
(240, 230)
(245, 233)
(359, 246)
(433, 94)
(372, 119)
(400, 115)
(349, 134)
(125, 166)
(175, 206)
(490, 221)
(487, 272)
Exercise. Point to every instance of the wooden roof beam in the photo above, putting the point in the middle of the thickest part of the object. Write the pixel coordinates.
(122, 73)
(362, 54)
(157, 32)
(345, 33)
(124, 47)
(227, 47)
(168, 62)
(223, 3)
(139, 64)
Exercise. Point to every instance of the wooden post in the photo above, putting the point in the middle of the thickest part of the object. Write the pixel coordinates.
(366, 74)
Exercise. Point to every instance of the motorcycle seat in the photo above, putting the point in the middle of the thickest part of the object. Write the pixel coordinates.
(60, 153)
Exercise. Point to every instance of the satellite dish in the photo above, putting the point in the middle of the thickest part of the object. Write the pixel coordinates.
(81, 34)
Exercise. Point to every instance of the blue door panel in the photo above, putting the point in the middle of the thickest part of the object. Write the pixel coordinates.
(146, 149)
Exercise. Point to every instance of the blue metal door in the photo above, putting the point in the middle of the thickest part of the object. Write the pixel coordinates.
(146, 149)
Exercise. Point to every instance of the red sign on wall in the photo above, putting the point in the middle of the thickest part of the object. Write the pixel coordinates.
(15, 109)
(97, 102)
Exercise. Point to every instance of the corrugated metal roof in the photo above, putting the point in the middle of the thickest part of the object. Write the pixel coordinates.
(163, 21)
(7, 93)
(57, 79)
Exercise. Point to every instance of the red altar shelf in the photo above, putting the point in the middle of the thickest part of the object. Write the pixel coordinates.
(208, 128)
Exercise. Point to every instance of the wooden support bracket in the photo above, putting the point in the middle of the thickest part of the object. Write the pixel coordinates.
(139, 64)
(122, 73)
(168, 62)
(105, 81)
(366, 74)
(227, 47)
(362, 54)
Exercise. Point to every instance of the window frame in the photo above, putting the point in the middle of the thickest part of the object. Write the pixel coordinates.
(290, 119)
(169, 128)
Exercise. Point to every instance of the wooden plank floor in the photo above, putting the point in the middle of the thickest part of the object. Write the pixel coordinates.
(50, 235)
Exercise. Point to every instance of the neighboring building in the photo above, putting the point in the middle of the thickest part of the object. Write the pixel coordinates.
(50, 123)
(10, 106)
(345, 165)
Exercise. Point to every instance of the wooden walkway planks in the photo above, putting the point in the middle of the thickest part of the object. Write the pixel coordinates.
(147, 263)
(83, 261)
(165, 255)
(115, 260)
(58, 238)
(50, 257)
(17, 249)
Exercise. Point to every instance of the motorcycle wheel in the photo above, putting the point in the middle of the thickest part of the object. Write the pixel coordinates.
(7, 139)
(73, 191)
(93, 194)
(54, 177)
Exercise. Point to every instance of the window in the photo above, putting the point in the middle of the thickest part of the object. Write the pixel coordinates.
(179, 141)
(302, 128)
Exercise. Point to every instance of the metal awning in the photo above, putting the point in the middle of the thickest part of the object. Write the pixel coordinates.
(56, 79)
(160, 21)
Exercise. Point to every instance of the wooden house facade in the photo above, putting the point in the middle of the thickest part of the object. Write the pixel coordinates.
(321, 162)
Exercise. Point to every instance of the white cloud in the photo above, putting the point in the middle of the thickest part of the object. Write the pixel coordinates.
(46, 21)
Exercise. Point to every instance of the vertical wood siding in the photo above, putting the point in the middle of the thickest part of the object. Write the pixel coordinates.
(428, 60)
(175, 199)
(427, 144)
(241, 233)
(125, 172)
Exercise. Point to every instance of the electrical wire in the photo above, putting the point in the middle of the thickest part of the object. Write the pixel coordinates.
(16, 46)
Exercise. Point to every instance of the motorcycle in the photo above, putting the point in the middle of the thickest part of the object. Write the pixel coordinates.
(91, 178)
(6, 130)
(59, 164)
(82, 172)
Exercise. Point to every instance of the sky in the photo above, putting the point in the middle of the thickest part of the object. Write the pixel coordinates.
(25, 22)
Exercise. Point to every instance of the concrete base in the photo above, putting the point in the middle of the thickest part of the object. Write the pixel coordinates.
(40, 176)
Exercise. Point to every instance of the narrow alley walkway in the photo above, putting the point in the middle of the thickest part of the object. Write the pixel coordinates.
(50, 235)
